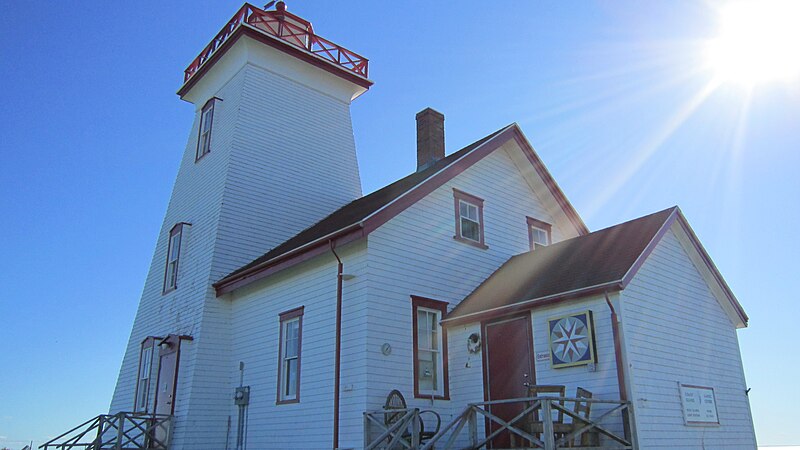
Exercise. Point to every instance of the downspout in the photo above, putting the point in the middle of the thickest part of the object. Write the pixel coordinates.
(338, 353)
(623, 392)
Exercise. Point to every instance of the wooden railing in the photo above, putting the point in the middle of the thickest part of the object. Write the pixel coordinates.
(287, 27)
(611, 429)
(121, 431)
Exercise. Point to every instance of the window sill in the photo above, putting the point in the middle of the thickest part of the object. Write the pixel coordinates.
(425, 396)
(167, 291)
(287, 402)
(198, 158)
(471, 242)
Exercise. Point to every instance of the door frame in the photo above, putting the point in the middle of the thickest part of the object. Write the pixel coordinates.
(168, 345)
(526, 316)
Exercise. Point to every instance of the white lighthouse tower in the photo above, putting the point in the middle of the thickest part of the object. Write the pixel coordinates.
(270, 152)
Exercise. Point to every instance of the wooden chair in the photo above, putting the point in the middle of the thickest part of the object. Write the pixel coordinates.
(533, 424)
(584, 409)
(396, 401)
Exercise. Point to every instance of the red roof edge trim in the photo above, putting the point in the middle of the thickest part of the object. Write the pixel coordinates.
(289, 259)
(650, 247)
(712, 267)
(435, 181)
(480, 316)
(550, 182)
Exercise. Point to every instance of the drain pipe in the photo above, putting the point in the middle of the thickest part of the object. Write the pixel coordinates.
(623, 392)
(338, 354)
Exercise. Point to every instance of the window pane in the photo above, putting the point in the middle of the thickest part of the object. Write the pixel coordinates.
(473, 212)
(470, 230)
(291, 378)
(291, 339)
(427, 375)
(423, 336)
(463, 209)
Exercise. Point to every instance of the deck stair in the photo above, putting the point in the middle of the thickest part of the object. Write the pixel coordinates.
(121, 431)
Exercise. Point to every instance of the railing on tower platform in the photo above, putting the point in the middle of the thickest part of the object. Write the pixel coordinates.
(288, 27)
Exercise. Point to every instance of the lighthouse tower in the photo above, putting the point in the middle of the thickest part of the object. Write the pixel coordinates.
(270, 152)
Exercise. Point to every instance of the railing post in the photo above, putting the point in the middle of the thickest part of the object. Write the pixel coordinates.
(415, 431)
(547, 435)
(473, 427)
(120, 425)
(99, 440)
(366, 431)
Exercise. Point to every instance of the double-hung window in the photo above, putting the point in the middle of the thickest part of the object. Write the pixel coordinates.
(204, 135)
(289, 356)
(143, 376)
(539, 233)
(469, 218)
(173, 257)
(430, 349)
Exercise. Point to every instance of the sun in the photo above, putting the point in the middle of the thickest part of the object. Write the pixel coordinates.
(758, 41)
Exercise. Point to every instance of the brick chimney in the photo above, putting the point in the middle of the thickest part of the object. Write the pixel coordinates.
(430, 137)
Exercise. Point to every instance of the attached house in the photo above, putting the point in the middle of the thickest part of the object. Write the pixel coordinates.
(282, 306)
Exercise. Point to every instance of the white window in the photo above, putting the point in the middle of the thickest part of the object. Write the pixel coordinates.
(539, 236)
(173, 258)
(539, 233)
(143, 380)
(469, 218)
(430, 349)
(290, 350)
(470, 222)
(204, 137)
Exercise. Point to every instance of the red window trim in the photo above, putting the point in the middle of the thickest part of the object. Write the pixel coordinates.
(542, 225)
(210, 104)
(286, 316)
(441, 306)
(179, 227)
(477, 201)
(148, 341)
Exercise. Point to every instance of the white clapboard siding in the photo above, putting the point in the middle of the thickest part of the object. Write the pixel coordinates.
(274, 144)
(255, 328)
(676, 331)
(414, 253)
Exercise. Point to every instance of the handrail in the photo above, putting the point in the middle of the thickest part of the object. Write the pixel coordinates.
(611, 416)
(123, 430)
(275, 23)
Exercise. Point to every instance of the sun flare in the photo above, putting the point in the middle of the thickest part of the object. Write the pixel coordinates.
(758, 41)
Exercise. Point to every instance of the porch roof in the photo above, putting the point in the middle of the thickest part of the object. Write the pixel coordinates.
(595, 262)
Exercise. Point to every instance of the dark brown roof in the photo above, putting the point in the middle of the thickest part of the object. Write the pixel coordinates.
(581, 263)
(359, 209)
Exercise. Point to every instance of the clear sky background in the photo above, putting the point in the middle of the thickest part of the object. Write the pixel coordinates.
(614, 96)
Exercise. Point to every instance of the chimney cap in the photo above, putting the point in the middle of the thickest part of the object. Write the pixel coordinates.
(429, 110)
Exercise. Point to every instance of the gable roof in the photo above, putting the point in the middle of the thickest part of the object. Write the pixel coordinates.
(359, 217)
(602, 261)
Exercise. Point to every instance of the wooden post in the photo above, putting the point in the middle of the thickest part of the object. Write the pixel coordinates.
(120, 424)
(547, 417)
(415, 430)
(366, 430)
(473, 427)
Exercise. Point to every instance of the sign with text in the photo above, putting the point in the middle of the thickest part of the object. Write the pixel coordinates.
(699, 405)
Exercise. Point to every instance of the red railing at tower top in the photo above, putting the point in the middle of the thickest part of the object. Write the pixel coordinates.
(287, 27)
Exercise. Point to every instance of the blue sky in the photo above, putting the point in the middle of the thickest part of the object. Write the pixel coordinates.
(614, 97)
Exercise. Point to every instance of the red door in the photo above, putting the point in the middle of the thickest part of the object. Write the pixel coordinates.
(508, 363)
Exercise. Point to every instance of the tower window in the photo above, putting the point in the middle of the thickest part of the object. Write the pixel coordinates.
(143, 378)
(173, 258)
(204, 137)
(539, 233)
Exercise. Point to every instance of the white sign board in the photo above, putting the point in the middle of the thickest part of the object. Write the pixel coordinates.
(699, 405)
(542, 356)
